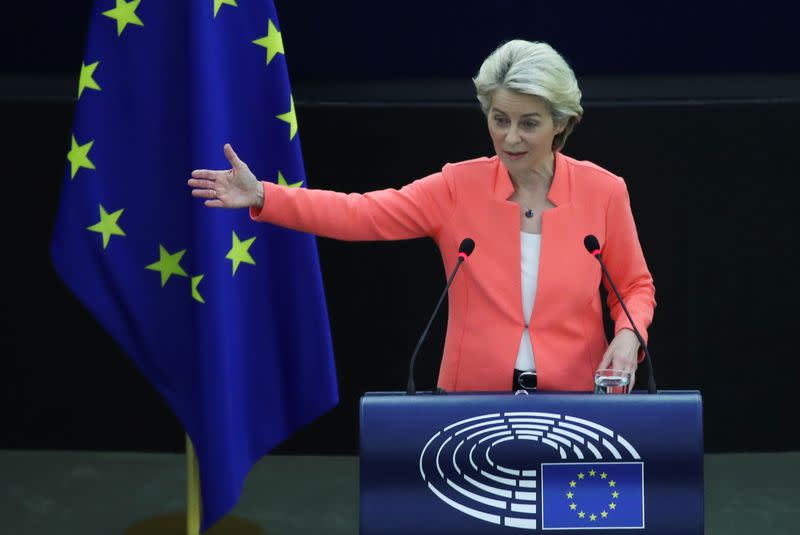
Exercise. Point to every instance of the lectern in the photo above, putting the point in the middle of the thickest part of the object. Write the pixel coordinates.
(495, 463)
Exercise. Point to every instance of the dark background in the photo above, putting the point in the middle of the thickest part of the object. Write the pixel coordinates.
(696, 106)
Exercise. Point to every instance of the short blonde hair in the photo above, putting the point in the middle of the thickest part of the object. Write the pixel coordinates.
(533, 68)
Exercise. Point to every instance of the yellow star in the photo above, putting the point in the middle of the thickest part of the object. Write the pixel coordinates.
(195, 293)
(218, 4)
(570, 495)
(592, 517)
(238, 252)
(291, 118)
(272, 42)
(580, 476)
(612, 505)
(612, 483)
(282, 182)
(124, 14)
(592, 473)
(107, 225)
(168, 264)
(572, 484)
(603, 475)
(573, 506)
(85, 80)
(581, 514)
(78, 156)
(604, 514)
(615, 494)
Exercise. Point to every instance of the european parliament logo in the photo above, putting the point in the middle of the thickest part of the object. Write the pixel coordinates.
(536, 470)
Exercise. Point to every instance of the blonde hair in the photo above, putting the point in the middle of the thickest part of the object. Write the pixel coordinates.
(533, 68)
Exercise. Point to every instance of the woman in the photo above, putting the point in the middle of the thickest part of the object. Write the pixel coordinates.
(527, 299)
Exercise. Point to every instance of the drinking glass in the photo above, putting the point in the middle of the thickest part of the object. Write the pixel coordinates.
(612, 382)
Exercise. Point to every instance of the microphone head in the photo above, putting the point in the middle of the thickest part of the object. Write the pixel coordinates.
(591, 243)
(467, 246)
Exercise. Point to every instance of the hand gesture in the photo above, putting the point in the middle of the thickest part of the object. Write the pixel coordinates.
(622, 354)
(236, 187)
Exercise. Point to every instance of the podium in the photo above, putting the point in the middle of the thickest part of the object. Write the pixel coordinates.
(496, 463)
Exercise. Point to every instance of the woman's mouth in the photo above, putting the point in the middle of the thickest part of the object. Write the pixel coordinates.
(515, 155)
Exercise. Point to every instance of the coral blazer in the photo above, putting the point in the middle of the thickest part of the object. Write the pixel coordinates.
(485, 318)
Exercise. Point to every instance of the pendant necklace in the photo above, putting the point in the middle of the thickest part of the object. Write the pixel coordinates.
(529, 213)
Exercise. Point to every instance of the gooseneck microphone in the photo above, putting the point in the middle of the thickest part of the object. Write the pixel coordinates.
(464, 250)
(593, 246)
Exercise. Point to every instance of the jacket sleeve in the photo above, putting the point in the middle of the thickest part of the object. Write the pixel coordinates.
(622, 254)
(418, 209)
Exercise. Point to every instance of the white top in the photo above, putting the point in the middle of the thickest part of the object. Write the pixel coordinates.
(530, 248)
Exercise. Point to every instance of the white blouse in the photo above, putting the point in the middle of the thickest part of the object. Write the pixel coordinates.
(530, 247)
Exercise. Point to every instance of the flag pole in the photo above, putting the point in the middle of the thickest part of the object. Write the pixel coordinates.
(172, 523)
(193, 503)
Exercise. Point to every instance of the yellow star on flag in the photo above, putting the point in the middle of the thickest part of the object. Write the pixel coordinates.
(572, 483)
(612, 483)
(107, 226)
(85, 80)
(570, 495)
(168, 264)
(592, 473)
(581, 475)
(615, 494)
(572, 506)
(581, 514)
(282, 182)
(272, 42)
(291, 118)
(603, 475)
(195, 292)
(218, 4)
(604, 514)
(124, 14)
(239, 253)
(612, 505)
(592, 517)
(78, 156)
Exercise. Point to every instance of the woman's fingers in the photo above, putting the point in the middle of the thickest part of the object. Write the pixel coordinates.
(201, 183)
(204, 193)
(207, 174)
(230, 154)
(606, 360)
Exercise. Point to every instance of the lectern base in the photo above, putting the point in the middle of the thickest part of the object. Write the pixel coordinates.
(175, 524)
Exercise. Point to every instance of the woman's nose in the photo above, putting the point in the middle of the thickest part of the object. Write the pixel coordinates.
(512, 136)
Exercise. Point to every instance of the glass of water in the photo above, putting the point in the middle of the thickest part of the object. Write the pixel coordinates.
(612, 382)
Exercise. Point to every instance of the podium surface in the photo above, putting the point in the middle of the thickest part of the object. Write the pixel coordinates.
(554, 462)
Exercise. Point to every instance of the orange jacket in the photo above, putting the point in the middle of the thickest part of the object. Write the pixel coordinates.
(485, 322)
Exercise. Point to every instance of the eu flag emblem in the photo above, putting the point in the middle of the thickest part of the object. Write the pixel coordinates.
(592, 495)
(225, 317)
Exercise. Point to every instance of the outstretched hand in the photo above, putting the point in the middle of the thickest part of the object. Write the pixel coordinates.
(236, 187)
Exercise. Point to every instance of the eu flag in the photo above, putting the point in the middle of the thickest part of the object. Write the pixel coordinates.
(593, 495)
(224, 316)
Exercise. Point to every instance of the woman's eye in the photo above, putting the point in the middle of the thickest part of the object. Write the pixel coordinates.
(529, 125)
(501, 120)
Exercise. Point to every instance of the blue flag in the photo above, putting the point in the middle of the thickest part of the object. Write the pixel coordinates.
(226, 317)
(593, 495)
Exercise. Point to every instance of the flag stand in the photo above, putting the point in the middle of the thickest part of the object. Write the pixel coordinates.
(188, 523)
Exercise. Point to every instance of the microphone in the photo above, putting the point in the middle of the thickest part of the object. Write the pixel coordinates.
(593, 246)
(464, 250)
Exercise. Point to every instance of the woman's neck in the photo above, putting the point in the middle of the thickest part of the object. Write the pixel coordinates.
(536, 179)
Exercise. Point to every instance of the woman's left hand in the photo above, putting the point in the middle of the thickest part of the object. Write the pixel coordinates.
(622, 354)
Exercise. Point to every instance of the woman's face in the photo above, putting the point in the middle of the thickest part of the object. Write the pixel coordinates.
(522, 130)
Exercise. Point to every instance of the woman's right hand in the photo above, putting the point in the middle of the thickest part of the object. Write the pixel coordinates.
(236, 187)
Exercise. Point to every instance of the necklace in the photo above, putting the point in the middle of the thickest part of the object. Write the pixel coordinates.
(529, 213)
